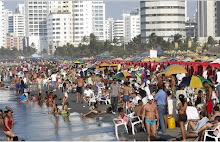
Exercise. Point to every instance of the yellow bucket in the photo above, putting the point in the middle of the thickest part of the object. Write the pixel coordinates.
(171, 122)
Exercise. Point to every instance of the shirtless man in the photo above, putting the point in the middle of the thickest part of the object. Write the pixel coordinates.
(39, 83)
(126, 94)
(17, 84)
(208, 98)
(79, 89)
(151, 117)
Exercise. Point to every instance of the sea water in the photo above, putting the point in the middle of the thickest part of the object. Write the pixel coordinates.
(33, 123)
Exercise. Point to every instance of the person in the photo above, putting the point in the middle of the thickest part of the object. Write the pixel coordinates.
(191, 124)
(126, 93)
(8, 122)
(55, 110)
(150, 117)
(94, 110)
(1, 117)
(22, 86)
(114, 93)
(65, 110)
(88, 93)
(216, 112)
(123, 116)
(209, 106)
(182, 115)
(160, 98)
(139, 109)
(65, 91)
(24, 97)
(79, 89)
(209, 125)
(39, 97)
(17, 84)
(53, 79)
(39, 83)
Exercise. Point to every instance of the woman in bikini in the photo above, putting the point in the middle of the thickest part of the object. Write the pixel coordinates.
(182, 115)
(8, 122)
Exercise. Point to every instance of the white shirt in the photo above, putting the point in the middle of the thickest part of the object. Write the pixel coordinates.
(135, 100)
(54, 77)
(205, 74)
(145, 86)
(144, 100)
(89, 93)
(180, 77)
(218, 76)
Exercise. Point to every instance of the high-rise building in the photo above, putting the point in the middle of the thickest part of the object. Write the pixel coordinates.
(208, 18)
(7, 21)
(13, 41)
(131, 25)
(164, 18)
(82, 18)
(88, 17)
(36, 24)
(98, 14)
(20, 9)
(118, 32)
(60, 6)
(109, 27)
(2, 25)
(60, 27)
(19, 24)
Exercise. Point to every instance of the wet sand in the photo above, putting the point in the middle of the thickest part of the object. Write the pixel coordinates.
(139, 136)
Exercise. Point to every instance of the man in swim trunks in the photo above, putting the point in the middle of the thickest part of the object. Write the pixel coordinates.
(126, 94)
(39, 83)
(209, 91)
(79, 89)
(17, 84)
(150, 117)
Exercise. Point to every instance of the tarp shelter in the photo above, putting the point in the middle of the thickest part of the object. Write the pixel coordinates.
(104, 55)
(35, 56)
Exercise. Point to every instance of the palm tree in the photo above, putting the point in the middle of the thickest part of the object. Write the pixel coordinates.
(178, 38)
(152, 40)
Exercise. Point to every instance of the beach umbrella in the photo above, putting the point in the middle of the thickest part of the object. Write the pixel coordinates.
(113, 65)
(123, 75)
(104, 64)
(79, 62)
(174, 69)
(194, 81)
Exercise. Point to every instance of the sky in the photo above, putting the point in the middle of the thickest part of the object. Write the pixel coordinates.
(114, 9)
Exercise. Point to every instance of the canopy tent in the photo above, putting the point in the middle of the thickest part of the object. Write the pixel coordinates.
(104, 55)
(35, 56)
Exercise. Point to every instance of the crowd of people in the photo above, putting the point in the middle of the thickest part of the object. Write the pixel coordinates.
(145, 94)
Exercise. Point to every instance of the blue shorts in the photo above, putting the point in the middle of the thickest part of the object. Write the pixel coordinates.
(54, 83)
(151, 122)
(126, 98)
(17, 86)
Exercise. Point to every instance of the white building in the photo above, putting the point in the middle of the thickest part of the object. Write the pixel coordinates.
(36, 24)
(82, 20)
(118, 32)
(2, 25)
(109, 29)
(98, 14)
(60, 6)
(131, 25)
(20, 9)
(19, 24)
(164, 18)
(59, 30)
(7, 21)
(208, 19)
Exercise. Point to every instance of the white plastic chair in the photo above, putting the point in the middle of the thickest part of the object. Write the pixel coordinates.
(115, 120)
(92, 99)
(133, 123)
(212, 136)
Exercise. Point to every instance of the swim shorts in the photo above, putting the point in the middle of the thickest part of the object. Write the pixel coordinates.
(66, 94)
(209, 107)
(54, 83)
(126, 98)
(79, 90)
(39, 86)
(183, 117)
(17, 86)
